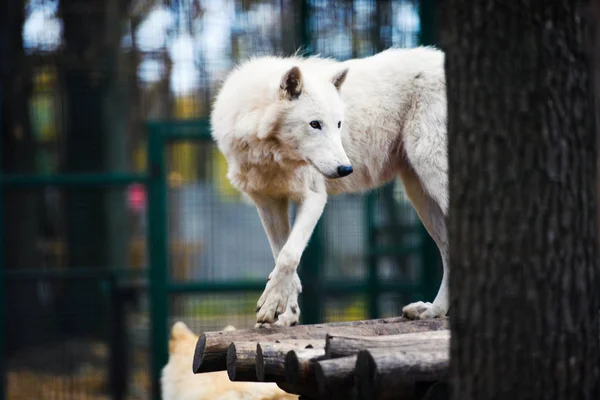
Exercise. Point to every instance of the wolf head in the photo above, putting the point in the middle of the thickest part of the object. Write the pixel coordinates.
(308, 120)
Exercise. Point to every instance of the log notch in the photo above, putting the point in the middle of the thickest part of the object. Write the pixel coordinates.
(270, 357)
(383, 373)
(211, 349)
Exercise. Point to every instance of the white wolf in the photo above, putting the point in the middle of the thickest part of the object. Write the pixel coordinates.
(298, 129)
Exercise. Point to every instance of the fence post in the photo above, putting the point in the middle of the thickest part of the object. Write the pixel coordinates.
(310, 274)
(430, 257)
(158, 276)
(370, 245)
(305, 32)
(428, 16)
(119, 350)
(312, 259)
(432, 267)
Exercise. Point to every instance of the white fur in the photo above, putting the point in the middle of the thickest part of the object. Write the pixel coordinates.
(392, 108)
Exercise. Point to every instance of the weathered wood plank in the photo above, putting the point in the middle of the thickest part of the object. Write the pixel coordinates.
(383, 373)
(211, 349)
(344, 345)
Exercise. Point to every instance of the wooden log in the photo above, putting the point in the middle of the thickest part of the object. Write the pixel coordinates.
(335, 378)
(299, 366)
(335, 374)
(383, 373)
(343, 346)
(335, 381)
(211, 349)
(241, 358)
(270, 357)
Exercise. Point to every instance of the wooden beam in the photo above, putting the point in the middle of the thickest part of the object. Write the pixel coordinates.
(383, 373)
(211, 349)
(344, 345)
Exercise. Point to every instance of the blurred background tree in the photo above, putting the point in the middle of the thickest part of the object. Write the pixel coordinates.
(97, 81)
(21, 207)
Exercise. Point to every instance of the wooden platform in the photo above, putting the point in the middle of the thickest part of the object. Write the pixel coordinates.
(390, 358)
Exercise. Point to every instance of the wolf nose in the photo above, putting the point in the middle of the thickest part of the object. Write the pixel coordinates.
(344, 170)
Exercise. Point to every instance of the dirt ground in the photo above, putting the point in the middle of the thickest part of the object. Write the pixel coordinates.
(72, 371)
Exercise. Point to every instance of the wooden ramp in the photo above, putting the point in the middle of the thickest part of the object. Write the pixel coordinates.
(391, 358)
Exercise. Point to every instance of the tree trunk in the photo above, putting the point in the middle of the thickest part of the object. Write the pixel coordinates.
(117, 137)
(522, 155)
(95, 112)
(594, 21)
(20, 210)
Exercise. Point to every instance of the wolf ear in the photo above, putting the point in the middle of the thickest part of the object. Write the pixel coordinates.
(291, 84)
(180, 330)
(339, 78)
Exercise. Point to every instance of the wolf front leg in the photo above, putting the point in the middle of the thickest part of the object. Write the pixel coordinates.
(278, 304)
(274, 215)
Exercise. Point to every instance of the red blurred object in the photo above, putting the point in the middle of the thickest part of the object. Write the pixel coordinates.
(136, 197)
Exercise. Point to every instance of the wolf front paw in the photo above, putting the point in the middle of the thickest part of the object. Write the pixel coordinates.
(278, 305)
(290, 317)
(422, 310)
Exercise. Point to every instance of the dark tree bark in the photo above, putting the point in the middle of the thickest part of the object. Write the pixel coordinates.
(85, 71)
(21, 207)
(96, 129)
(525, 284)
(594, 46)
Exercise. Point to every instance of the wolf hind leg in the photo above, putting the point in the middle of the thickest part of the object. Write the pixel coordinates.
(434, 220)
(425, 179)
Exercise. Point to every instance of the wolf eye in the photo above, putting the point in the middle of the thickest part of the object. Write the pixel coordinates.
(339, 124)
(315, 124)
